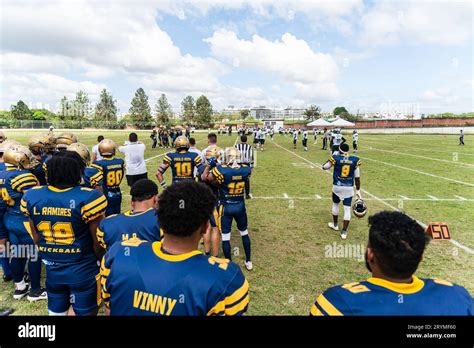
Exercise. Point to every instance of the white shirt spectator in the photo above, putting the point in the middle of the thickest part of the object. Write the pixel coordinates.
(195, 150)
(95, 150)
(134, 157)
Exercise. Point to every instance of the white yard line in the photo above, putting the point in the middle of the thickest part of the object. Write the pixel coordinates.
(458, 244)
(392, 199)
(424, 157)
(433, 197)
(418, 171)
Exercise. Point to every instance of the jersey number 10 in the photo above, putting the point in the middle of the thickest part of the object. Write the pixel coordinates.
(183, 169)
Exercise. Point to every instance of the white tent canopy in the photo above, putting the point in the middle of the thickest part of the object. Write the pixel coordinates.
(342, 123)
(320, 122)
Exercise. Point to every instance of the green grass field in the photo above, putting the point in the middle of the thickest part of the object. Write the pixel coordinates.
(429, 177)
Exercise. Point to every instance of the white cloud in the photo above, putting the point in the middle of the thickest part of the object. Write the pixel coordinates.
(422, 21)
(312, 73)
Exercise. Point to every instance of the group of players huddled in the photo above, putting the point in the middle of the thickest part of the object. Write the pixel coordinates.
(60, 209)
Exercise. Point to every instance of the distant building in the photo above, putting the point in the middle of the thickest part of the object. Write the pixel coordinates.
(230, 110)
(260, 112)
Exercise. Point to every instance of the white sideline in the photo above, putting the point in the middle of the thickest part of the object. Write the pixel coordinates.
(418, 171)
(424, 157)
(285, 196)
(458, 244)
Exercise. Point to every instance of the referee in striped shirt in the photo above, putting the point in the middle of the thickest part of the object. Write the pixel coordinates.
(246, 153)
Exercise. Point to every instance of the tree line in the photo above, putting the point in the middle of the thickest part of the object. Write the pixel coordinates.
(193, 112)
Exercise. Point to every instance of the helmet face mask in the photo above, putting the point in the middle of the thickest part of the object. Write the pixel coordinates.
(19, 156)
(181, 143)
(36, 144)
(232, 155)
(107, 148)
(359, 208)
(82, 151)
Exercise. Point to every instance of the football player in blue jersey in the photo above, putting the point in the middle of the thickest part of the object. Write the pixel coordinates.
(93, 175)
(182, 162)
(230, 178)
(173, 277)
(14, 182)
(36, 145)
(5, 260)
(394, 251)
(63, 218)
(113, 169)
(346, 173)
(212, 237)
(140, 222)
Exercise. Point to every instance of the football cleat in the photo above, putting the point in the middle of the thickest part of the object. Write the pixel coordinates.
(181, 142)
(248, 265)
(18, 156)
(82, 151)
(36, 144)
(19, 294)
(343, 234)
(38, 295)
(107, 147)
(359, 208)
(64, 140)
(331, 226)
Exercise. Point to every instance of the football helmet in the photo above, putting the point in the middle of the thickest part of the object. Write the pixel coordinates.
(49, 142)
(359, 208)
(107, 147)
(213, 151)
(19, 156)
(8, 143)
(3, 137)
(181, 142)
(64, 140)
(82, 151)
(232, 155)
(36, 144)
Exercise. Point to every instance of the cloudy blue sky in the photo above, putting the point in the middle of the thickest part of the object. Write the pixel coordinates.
(366, 55)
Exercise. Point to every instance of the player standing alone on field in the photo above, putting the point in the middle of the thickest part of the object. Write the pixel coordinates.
(325, 139)
(355, 140)
(315, 135)
(295, 138)
(394, 251)
(346, 171)
(305, 139)
(461, 137)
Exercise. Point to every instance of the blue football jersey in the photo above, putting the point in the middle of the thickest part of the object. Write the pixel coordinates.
(138, 278)
(344, 169)
(39, 170)
(232, 182)
(182, 164)
(117, 228)
(93, 176)
(3, 208)
(377, 296)
(214, 189)
(2, 166)
(61, 218)
(13, 183)
(113, 170)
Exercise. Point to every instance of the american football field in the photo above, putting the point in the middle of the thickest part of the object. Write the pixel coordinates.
(295, 255)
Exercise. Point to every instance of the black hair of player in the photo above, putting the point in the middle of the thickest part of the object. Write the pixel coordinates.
(398, 243)
(344, 147)
(65, 169)
(192, 141)
(184, 207)
(133, 137)
(212, 137)
(100, 138)
(243, 138)
(143, 190)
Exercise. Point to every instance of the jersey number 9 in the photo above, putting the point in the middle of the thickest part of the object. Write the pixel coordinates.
(345, 171)
(60, 233)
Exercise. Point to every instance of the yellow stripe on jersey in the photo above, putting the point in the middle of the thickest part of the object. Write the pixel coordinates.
(218, 175)
(21, 176)
(359, 162)
(96, 179)
(28, 229)
(327, 306)
(198, 160)
(22, 181)
(442, 282)
(315, 311)
(94, 214)
(100, 238)
(167, 159)
(226, 304)
(93, 204)
(23, 208)
(104, 272)
(332, 160)
(96, 166)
